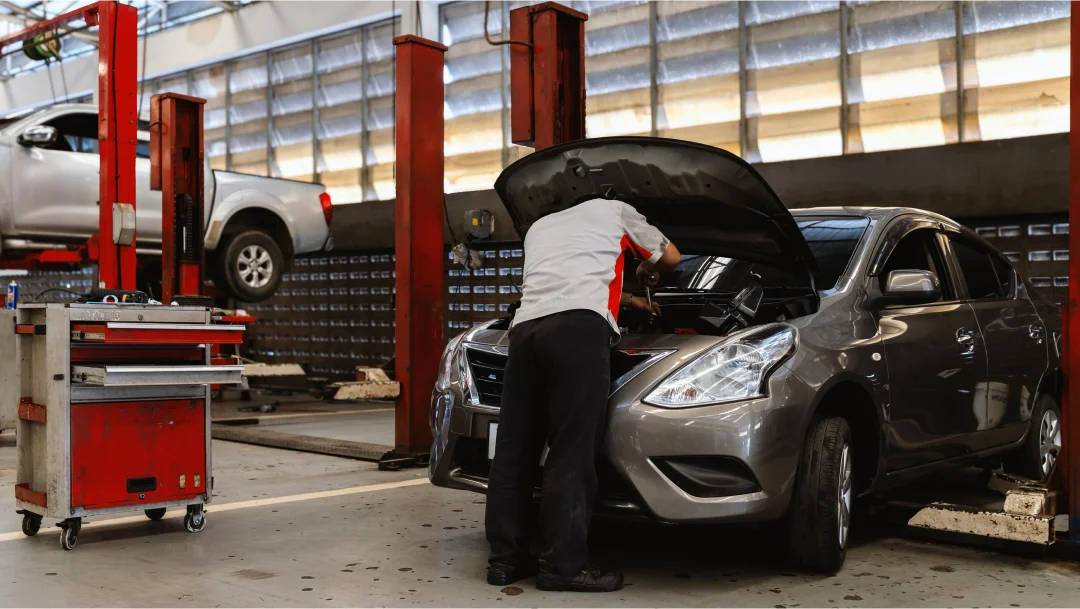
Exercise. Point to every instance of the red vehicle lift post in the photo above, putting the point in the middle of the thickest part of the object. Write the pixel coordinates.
(114, 246)
(176, 169)
(1070, 340)
(418, 238)
(547, 75)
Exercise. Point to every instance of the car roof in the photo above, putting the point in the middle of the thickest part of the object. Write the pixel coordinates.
(877, 213)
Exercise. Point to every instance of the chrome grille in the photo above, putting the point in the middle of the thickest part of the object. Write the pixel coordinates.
(488, 369)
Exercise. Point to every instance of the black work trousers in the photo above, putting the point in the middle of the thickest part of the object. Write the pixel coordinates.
(555, 390)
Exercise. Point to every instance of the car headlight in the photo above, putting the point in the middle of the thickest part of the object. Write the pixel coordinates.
(734, 370)
(447, 362)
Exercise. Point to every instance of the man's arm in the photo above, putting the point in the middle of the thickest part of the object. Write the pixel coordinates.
(656, 252)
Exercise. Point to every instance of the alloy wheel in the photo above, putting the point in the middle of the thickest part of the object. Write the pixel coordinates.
(843, 499)
(1049, 440)
(255, 266)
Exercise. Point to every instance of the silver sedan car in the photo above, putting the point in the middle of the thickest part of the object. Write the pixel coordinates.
(802, 359)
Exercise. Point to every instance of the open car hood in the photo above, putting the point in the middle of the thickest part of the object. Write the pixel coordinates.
(706, 200)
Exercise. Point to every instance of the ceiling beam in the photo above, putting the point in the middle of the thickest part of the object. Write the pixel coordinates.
(232, 7)
(32, 18)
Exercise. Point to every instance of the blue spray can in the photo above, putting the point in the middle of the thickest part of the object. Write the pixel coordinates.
(12, 295)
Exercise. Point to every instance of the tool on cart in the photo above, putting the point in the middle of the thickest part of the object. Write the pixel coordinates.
(114, 409)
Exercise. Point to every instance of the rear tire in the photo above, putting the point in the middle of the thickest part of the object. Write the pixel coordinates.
(1043, 444)
(250, 266)
(819, 521)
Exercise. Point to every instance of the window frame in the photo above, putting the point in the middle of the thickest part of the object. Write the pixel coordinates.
(992, 253)
(895, 232)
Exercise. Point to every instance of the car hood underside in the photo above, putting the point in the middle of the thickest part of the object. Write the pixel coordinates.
(706, 200)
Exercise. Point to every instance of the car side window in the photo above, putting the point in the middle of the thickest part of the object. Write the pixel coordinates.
(1006, 276)
(917, 251)
(981, 275)
(78, 132)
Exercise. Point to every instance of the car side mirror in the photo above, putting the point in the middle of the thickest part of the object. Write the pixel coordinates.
(911, 287)
(42, 135)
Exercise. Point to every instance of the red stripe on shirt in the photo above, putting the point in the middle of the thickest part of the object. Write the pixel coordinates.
(639, 252)
(615, 287)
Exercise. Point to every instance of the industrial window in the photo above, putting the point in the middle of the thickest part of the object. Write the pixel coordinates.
(902, 75)
(340, 123)
(793, 80)
(475, 79)
(209, 84)
(698, 72)
(1017, 57)
(617, 82)
(379, 118)
(291, 120)
(248, 116)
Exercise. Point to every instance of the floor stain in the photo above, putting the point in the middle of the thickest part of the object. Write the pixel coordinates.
(404, 569)
(942, 569)
(853, 597)
(512, 591)
(253, 574)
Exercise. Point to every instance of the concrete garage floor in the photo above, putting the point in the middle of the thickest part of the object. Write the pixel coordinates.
(299, 529)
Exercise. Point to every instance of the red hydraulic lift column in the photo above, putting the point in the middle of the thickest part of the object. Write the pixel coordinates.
(418, 237)
(1071, 323)
(176, 169)
(117, 128)
(547, 75)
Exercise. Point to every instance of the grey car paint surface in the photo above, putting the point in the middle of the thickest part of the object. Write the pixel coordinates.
(919, 394)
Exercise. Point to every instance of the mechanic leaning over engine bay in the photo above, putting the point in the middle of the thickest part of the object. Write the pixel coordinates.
(556, 389)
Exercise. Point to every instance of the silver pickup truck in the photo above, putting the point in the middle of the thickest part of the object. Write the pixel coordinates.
(49, 195)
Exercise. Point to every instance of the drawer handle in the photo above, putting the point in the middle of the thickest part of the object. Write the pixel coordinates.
(141, 485)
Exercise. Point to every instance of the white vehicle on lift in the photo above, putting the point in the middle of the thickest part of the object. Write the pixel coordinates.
(49, 174)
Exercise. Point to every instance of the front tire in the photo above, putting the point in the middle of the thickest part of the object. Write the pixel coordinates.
(820, 513)
(1039, 452)
(251, 266)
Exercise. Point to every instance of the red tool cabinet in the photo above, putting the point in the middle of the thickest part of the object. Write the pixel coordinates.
(114, 409)
(130, 453)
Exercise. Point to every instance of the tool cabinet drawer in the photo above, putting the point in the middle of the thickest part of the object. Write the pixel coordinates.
(123, 333)
(128, 453)
(122, 376)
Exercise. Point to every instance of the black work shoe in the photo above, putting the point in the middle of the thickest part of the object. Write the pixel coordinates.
(504, 574)
(590, 579)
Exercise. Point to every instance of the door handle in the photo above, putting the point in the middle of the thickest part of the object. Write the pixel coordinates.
(1035, 331)
(966, 338)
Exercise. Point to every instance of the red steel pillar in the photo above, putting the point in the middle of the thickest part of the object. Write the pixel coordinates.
(1071, 330)
(418, 236)
(117, 128)
(547, 79)
(176, 169)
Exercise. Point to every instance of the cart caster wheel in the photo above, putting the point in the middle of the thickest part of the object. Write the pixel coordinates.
(69, 533)
(155, 514)
(31, 524)
(195, 519)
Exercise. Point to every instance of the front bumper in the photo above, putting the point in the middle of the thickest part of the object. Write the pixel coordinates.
(764, 434)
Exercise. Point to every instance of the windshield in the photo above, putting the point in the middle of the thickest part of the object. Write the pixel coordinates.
(832, 240)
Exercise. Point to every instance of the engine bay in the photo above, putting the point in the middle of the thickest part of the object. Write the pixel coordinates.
(690, 303)
(714, 314)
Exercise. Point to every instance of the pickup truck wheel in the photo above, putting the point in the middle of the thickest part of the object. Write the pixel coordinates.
(1036, 457)
(820, 514)
(251, 266)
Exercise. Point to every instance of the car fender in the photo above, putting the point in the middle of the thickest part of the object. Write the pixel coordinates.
(240, 200)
